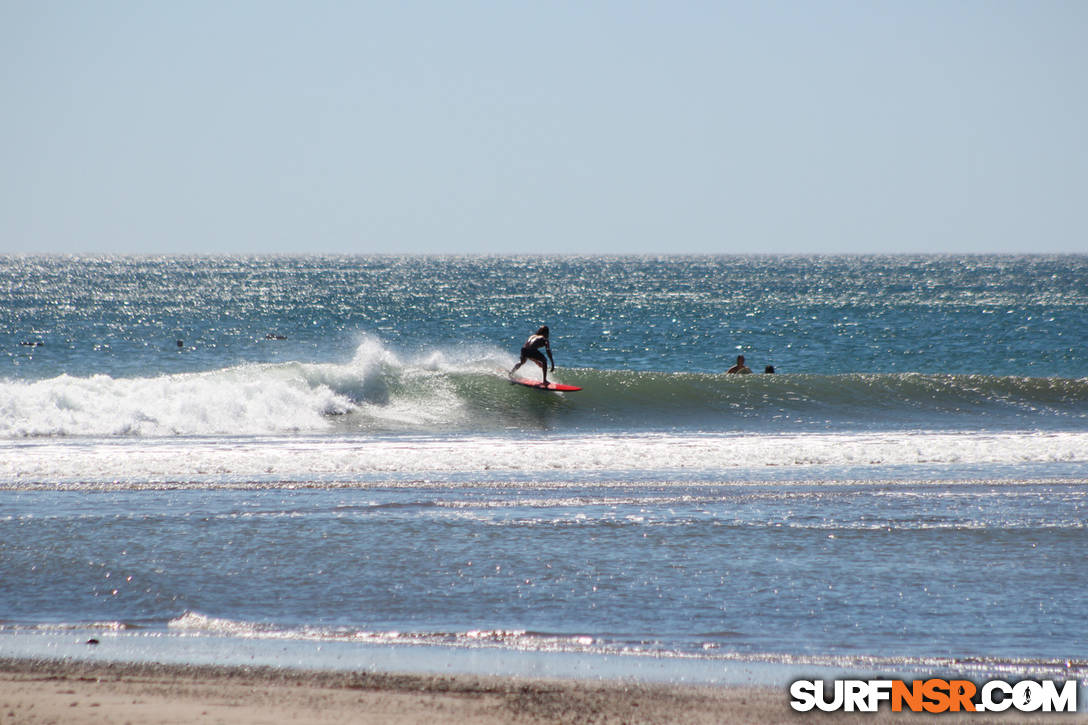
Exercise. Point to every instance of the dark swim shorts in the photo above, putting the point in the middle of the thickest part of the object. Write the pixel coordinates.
(532, 353)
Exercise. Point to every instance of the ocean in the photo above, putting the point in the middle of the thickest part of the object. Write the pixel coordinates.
(319, 460)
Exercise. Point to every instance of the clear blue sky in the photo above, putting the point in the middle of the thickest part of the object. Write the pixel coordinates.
(823, 126)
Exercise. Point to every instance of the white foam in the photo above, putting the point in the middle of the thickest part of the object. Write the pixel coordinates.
(252, 399)
(309, 458)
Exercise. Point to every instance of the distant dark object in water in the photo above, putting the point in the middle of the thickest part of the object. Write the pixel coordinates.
(31, 343)
(270, 336)
(769, 369)
(92, 640)
(181, 343)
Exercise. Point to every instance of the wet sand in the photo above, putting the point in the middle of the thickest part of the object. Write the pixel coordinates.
(54, 691)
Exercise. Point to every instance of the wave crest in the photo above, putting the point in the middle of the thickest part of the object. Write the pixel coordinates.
(378, 391)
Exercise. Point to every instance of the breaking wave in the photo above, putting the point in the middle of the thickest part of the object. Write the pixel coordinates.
(379, 391)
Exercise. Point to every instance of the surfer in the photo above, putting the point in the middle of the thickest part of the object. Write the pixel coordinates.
(531, 351)
(740, 368)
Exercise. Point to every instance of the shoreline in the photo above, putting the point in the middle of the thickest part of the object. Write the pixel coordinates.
(36, 691)
(45, 690)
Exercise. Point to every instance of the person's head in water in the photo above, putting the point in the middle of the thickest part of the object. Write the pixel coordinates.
(769, 369)
(739, 368)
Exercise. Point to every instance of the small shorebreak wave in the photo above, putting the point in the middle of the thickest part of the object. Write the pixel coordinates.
(713, 646)
(378, 391)
(712, 649)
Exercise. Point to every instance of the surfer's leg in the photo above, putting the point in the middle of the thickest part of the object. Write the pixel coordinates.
(520, 363)
(537, 357)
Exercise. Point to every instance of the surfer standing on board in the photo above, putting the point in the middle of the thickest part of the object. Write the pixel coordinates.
(531, 351)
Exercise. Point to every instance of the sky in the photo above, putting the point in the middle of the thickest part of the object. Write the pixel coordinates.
(560, 127)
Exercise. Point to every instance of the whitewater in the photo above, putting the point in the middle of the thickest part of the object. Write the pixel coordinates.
(214, 458)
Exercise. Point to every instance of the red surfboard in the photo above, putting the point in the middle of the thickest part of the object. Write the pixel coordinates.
(541, 386)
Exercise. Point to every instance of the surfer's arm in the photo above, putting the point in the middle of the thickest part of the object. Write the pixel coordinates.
(548, 349)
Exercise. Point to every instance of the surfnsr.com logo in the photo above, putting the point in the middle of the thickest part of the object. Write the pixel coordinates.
(934, 696)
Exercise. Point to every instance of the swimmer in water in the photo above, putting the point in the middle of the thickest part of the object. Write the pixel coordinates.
(740, 368)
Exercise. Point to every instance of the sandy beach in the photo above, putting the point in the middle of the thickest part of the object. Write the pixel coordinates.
(51, 691)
